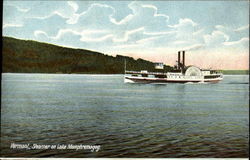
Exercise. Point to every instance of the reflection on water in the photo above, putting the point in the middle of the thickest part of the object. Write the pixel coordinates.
(127, 120)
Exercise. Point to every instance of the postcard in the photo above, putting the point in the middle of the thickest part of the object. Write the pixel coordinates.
(125, 79)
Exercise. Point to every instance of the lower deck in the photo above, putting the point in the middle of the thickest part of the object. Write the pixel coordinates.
(180, 79)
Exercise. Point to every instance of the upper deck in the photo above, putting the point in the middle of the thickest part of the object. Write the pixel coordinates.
(205, 73)
(145, 73)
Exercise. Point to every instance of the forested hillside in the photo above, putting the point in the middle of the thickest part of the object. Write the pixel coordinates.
(26, 56)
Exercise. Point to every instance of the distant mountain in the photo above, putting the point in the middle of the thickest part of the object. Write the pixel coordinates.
(26, 56)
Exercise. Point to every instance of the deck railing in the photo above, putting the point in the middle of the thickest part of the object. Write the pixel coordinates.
(148, 73)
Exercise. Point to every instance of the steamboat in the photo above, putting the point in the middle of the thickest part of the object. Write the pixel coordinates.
(181, 74)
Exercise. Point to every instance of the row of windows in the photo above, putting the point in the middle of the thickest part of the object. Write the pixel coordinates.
(213, 76)
(164, 76)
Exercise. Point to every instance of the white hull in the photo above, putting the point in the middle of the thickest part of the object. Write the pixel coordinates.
(183, 79)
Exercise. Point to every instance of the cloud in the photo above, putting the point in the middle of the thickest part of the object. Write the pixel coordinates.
(184, 23)
(198, 32)
(234, 33)
(51, 24)
(244, 40)
(73, 5)
(126, 46)
(156, 11)
(185, 28)
(130, 28)
(160, 33)
(12, 15)
(128, 34)
(96, 17)
(99, 39)
(20, 9)
(242, 28)
(40, 33)
(54, 13)
(180, 42)
(59, 34)
(11, 25)
(123, 21)
(225, 36)
(85, 36)
(194, 47)
(147, 16)
(215, 38)
(188, 33)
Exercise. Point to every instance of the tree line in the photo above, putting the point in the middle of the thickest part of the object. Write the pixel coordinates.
(27, 56)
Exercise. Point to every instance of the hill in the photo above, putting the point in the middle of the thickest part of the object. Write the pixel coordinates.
(235, 72)
(26, 56)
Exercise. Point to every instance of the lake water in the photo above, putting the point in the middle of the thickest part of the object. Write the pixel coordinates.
(126, 120)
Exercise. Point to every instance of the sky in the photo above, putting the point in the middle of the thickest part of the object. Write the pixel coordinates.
(214, 34)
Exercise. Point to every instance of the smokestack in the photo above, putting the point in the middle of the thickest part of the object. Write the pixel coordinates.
(183, 58)
(179, 59)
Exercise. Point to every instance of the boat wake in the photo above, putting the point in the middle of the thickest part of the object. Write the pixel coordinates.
(128, 81)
